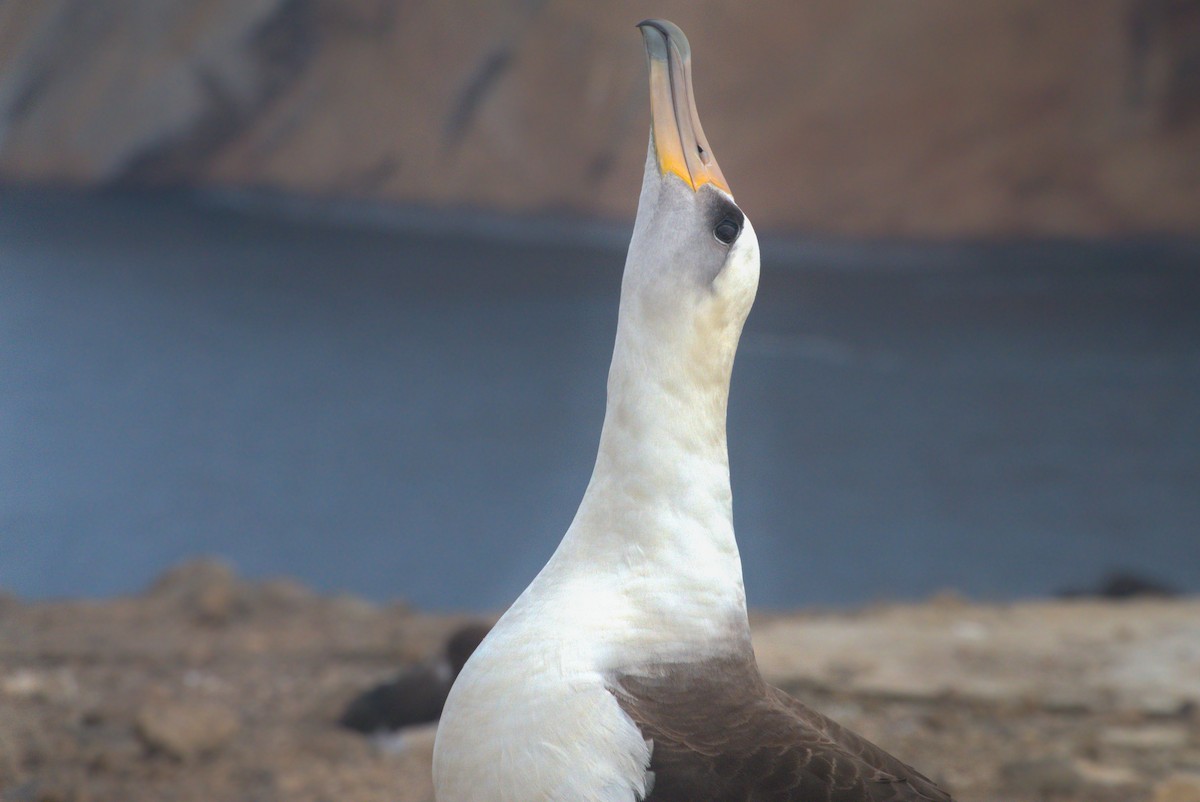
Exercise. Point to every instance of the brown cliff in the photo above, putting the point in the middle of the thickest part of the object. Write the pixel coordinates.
(927, 118)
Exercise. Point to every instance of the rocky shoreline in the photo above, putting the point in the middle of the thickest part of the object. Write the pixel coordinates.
(211, 687)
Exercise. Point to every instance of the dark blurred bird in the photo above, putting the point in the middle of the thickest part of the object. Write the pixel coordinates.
(416, 694)
(625, 670)
(1122, 584)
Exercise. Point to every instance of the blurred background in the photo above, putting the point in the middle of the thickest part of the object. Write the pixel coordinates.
(327, 288)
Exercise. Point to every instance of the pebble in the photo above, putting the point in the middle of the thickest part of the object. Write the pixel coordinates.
(1178, 788)
(186, 730)
(23, 684)
(39, 685)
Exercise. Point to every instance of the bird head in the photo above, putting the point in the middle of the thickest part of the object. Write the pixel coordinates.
(692, 269)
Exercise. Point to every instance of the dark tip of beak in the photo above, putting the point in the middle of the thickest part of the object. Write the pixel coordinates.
(655, 24)
(671, 34)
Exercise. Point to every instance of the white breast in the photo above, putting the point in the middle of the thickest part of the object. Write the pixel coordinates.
(530, 718)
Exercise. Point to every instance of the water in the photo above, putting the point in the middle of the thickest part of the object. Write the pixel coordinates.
(412, 412)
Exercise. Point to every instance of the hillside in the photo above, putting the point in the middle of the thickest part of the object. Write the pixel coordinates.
(926, 119)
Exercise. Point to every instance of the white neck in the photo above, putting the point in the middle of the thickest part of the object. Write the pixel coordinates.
(657, 517)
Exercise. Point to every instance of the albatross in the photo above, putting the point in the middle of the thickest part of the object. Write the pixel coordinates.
(625, 670)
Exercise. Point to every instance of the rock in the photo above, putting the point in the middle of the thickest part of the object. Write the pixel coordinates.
(1105, 775)
(1149, 738)
(207, 590)
(1178, 788)
(215, 604)
(186, 730)
(25, 684)
(55, 686)
(189, 576)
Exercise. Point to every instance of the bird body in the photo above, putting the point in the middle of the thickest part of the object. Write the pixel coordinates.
(648, 573)
(625, 670)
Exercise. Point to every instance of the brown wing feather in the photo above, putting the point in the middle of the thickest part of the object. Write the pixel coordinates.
(721, 734)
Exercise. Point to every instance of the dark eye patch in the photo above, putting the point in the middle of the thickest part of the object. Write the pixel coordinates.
(727, 221)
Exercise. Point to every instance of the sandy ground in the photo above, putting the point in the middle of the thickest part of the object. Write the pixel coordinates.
(212, 688)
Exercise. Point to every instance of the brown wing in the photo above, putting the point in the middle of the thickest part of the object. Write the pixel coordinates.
(721, 734)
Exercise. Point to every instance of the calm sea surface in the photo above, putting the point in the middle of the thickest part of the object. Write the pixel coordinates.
(412, 411)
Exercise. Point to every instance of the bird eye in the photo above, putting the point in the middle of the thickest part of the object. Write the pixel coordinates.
(727, 231)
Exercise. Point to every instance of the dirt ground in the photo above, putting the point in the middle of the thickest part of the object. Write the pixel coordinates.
(209, 687)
